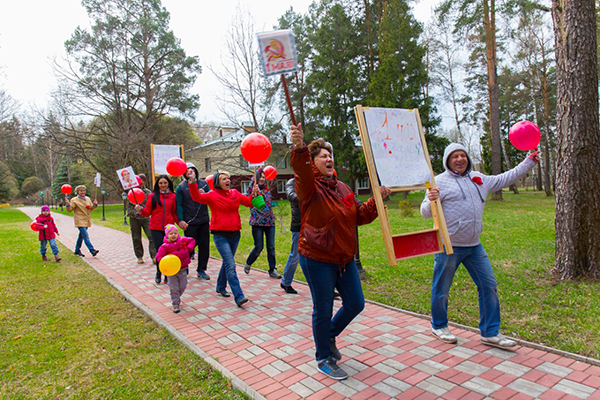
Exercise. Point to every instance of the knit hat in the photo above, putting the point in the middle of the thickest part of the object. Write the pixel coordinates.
(45, 208)
(169, 228)
(79, 187)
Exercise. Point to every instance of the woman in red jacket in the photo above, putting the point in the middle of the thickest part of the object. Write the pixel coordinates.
(162, 210)
(327, 244)
(225, 225)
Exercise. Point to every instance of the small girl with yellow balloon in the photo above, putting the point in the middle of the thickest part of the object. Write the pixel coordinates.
(173, 258)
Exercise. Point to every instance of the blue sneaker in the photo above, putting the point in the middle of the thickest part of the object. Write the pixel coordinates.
(203, 275)
(329, 367)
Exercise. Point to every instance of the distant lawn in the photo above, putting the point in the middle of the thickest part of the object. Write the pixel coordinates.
(519, 238)
(67, 333)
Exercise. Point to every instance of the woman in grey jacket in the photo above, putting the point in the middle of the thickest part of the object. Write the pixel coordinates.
(462, 193)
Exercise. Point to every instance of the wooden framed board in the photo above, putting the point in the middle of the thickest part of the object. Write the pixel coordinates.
(397, 157)
(160, 154)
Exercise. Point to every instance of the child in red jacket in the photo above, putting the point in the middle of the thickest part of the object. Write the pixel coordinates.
(180, 247)
(47, 232)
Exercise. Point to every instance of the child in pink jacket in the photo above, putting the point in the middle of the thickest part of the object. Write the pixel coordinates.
(180, 247)
(47, 232)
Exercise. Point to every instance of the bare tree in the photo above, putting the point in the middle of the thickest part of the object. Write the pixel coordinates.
(241, 77)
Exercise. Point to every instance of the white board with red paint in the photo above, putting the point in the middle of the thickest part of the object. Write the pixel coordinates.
(278, 52)
(397, 146)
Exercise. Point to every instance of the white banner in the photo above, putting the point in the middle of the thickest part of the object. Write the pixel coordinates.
(278, 52)
(162, 153)
(98, 180)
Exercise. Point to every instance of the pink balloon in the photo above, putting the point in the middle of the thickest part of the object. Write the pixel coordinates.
(524, 135)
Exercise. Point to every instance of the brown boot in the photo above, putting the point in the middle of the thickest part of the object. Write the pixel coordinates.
(44, 258)
(57, 257)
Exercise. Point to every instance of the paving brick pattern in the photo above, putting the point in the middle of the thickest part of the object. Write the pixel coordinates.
(267, 347)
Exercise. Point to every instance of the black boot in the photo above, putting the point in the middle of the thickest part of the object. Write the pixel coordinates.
(158, 276)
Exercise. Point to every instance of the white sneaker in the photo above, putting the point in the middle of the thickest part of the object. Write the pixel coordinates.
(500, 341)
(444, 335)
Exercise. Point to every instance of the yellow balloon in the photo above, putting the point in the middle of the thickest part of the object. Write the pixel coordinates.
(170, 265)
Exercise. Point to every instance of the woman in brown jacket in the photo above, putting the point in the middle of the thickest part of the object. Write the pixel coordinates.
(327, 244)
(80, 206)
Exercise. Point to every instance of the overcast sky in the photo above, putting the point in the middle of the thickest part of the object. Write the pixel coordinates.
(33, 32)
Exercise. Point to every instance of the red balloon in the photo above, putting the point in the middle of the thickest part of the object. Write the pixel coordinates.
(524, 135)
(138, 179)
(255, 148)
(176, 166)
(136, 195)
(33, 226)
(66, 188)
(209, 180)
(270, 173)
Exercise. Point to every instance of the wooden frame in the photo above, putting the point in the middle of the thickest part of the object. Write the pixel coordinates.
(154, 175)
(412, 244)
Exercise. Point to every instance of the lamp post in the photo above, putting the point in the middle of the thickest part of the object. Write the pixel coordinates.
(124, 196)
(103, 193)
(41, 197)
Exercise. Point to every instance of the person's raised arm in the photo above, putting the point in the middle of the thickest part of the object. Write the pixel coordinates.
(497, 182)
(197, 195)
(301, 163)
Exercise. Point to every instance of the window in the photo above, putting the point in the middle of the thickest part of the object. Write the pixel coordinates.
(245, 186)
(281, 162)
(243, 162)
(281, 186)
(207, 166)
(363, 183)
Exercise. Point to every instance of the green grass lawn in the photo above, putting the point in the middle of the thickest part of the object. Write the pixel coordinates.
(519, 238)
(67, 333)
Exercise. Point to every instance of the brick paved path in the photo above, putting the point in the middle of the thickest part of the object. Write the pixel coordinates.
(266, 348)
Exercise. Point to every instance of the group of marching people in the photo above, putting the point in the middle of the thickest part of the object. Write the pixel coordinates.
(325, 214)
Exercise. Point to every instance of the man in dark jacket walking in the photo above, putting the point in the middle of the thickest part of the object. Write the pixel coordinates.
(137, 223)
(193, 218)
(293, 258)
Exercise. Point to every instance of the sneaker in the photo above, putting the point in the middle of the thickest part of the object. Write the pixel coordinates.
(78, 253)
(335, 353)
(57, 257)
(203, 275)
(247, 268)
(95, 252)
(224, 293)
(176, 309)
(500, 341)
(44, 258)
(288, 289)
(273, 274)
(329, 367)
(444, 335)
(241, 302)
(140, 260)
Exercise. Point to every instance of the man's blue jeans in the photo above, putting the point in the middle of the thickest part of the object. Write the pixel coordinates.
(322, 279)
(257, 235)
(227, 246)
(292, 262)
(53, 246)
(476, 260)
(83, 237)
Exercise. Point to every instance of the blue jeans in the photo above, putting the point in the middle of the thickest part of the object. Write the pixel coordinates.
(227, 246)
(257, 235)
(292, 262)
(322, 279)
(83, 237)
(53, 246)
(476, 260)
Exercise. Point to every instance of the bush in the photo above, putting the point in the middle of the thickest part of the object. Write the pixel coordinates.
(405, 208)
(8, 184)
(30, 185)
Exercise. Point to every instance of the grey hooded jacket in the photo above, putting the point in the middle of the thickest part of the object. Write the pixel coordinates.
(463, 200)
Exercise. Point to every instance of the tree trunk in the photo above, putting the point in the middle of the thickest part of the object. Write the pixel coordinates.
(546, 132)
(578, 165)
(512, 187)
(492, 63)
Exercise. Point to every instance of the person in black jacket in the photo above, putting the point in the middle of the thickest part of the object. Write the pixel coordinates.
(293, 258)
(193, 218)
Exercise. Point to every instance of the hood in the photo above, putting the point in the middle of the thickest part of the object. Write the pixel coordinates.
(451, 148)
(191, 165)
